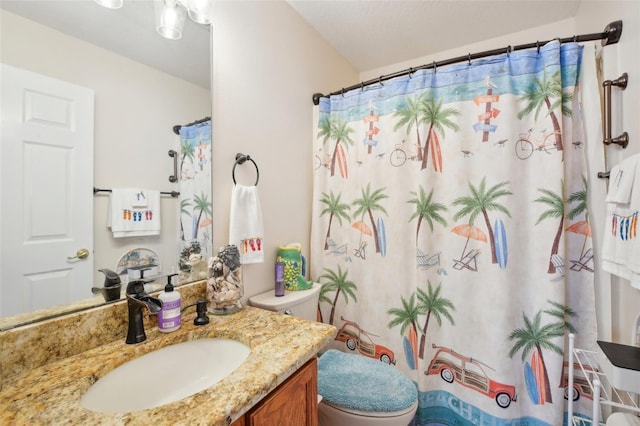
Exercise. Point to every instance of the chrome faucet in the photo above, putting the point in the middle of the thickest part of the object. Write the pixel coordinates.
(137, 300)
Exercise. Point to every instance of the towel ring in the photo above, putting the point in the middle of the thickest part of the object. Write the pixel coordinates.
(240, 159)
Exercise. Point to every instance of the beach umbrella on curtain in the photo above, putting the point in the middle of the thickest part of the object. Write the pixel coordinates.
(362, 227)
(205, 222)
(470, 232)
(581, 227)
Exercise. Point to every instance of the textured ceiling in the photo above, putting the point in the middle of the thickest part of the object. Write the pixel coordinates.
(369, 34)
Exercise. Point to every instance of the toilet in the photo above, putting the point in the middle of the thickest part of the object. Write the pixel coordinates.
(355, 390)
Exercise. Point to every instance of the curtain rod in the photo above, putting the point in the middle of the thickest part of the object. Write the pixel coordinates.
(177, 127)
(610, 35)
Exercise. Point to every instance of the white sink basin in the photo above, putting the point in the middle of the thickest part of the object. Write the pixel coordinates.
(166, 375)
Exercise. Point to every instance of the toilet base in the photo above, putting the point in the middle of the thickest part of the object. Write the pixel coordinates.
(330, 415)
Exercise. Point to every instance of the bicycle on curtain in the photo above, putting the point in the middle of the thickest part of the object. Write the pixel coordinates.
(527, 143)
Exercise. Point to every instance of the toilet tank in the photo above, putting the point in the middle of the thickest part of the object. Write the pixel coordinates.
(301, 303)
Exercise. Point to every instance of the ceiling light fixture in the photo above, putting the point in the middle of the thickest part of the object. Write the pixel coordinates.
(110, 4)
(170, 14)
(169, 18)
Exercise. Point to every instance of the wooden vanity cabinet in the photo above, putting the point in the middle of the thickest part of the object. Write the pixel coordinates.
(293, 403)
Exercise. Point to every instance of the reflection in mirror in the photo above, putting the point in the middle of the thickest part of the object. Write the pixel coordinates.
(135, 107)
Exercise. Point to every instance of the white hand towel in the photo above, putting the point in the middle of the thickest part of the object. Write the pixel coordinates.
(621, 178)
(245, 224)
(621, 242)
(134, 212)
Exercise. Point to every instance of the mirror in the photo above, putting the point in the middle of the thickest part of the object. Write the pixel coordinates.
(143, 86)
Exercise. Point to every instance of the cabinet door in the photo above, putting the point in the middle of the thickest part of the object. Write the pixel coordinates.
(293, 403)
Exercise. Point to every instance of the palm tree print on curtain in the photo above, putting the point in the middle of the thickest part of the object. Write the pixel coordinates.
(487, 202)
(338, 130)
(336, 209)
(536, 336)
(548, 93)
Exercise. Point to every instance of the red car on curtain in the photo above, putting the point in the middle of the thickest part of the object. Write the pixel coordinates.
(355, 337)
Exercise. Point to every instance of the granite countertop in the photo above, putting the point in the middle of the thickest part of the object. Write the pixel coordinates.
(280, 344)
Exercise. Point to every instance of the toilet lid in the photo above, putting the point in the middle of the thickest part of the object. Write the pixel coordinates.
(364, 384)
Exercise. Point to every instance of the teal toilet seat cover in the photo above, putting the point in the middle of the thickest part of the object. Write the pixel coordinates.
(364, 384)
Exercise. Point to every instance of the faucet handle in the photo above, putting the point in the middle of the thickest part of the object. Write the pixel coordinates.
(136, 287)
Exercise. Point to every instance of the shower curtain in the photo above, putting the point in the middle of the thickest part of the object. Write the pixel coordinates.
(196, 212)
(451, 234)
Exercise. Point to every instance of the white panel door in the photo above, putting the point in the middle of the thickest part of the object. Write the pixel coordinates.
(46, 200)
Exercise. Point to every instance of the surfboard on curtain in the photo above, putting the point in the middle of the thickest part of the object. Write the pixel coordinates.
(382, 236)
(530, 381)
(341, 159)
(500, 243)
(538, 372)
(436, 153)
(410, 343)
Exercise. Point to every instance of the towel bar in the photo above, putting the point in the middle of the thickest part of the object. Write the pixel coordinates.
(174, 194)
(174, 177)
(620, 82)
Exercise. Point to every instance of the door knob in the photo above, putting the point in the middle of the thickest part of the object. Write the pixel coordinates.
(80, 254)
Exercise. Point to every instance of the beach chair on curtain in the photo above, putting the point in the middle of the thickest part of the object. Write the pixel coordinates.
(558, 262)
(585, 262)
(467, 261)
(425, 261)
(336, 249)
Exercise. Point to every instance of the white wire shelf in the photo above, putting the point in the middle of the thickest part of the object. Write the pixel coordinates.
(588, 371)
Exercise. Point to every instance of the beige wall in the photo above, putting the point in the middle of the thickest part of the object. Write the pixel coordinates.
(135, 110)
(267, 63)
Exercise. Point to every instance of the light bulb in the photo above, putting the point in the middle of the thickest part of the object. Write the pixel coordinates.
(110, 4)
(200, 11)
(169, 18)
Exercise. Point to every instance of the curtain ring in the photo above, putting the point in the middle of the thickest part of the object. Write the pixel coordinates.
(240, 159)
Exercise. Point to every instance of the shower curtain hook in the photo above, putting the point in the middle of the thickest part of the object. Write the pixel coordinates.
(435, 67)
(575, 38)
(410, 72)
(380, 81)
(538, 46)
(362, 86)
(508, 50)
(469, 58)
(342, 93)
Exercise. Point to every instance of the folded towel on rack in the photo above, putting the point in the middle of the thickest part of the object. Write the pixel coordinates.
(134, 212)
(621, 178)
(621, 243)
(245, 225)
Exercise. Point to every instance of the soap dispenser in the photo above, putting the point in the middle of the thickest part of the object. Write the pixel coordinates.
(169, 317)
